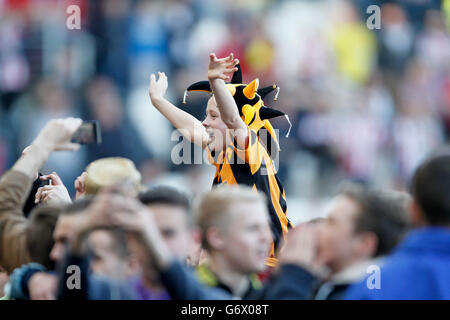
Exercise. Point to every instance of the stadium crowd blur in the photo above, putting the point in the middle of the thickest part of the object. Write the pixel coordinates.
(366, 105)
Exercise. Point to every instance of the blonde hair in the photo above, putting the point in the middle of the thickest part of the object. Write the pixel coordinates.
(110, 171)
(212, 209)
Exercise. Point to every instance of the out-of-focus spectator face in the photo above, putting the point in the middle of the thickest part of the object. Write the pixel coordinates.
(246, 240)
(105, 102)
(173, 225)
(62, 235)
(215, 127)
(52, 97)
(106, 259)
(336, 233)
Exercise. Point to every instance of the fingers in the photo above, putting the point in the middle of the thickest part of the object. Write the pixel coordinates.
(69, 146)
(231, 69)
(43, 193)
(56, 180)
(72, 124)
(228, 59)
(162, 76)
(25, 151)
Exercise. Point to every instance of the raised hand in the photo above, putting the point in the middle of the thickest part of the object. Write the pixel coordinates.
(301, 248)
(57, 134)
(158, 87)
(221, 68)
(56, 192)
(138, 220)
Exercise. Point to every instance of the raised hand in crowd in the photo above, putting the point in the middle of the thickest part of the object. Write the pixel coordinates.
(158, 87)
(189, 126)
(55, 192)
(222, 68)
(56, 135)
(301, 248)
(138, 220)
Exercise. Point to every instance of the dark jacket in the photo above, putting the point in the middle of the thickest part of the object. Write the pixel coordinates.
(292, 283)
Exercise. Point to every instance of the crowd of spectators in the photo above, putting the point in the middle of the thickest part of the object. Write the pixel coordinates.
(336, 76)
(370, 106)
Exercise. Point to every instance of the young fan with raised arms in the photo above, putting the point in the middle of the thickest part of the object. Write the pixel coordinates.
(231, 134)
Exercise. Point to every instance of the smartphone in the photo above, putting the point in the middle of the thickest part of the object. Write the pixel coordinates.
(89, 132)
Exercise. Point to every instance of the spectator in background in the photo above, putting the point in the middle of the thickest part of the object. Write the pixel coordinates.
(110, 256)
(235, 231)
(419, 267)
(362, 228)
(167, 207)
(50, 100)
(119, 137)
(15, 186)
(236, 235)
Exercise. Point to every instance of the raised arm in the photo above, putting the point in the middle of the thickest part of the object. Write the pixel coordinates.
(220, 70)
(56, 135)
(15, 185)
(190, 127)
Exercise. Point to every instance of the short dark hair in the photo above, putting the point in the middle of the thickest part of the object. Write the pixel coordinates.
(79, 205)
(382, 212)
(430, 188)
(39, 238)
(119, 241)
(168, 196)
(165, 195)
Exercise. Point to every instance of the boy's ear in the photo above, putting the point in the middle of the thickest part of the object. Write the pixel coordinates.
(214, 238)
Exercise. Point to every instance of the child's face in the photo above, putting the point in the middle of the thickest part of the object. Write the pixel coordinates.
(215, 127)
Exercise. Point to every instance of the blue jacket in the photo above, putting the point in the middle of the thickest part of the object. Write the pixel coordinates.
(419, 268)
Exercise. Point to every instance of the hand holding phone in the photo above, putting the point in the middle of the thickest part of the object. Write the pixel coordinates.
(89, 132)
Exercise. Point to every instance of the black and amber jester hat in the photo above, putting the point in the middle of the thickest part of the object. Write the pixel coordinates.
(249, 100)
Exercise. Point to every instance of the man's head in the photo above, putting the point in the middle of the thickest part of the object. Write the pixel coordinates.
(64, 229)
(108, 246)
(215, 127)
(235, 227)
(107, 172)
(109, 253)
(430, 188)
(362, 224)
(39, 238)
(171, 212)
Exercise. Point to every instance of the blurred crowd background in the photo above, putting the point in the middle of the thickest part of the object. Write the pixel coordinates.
(366, 105)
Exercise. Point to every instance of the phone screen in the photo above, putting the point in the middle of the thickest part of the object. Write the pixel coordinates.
(87, 133)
